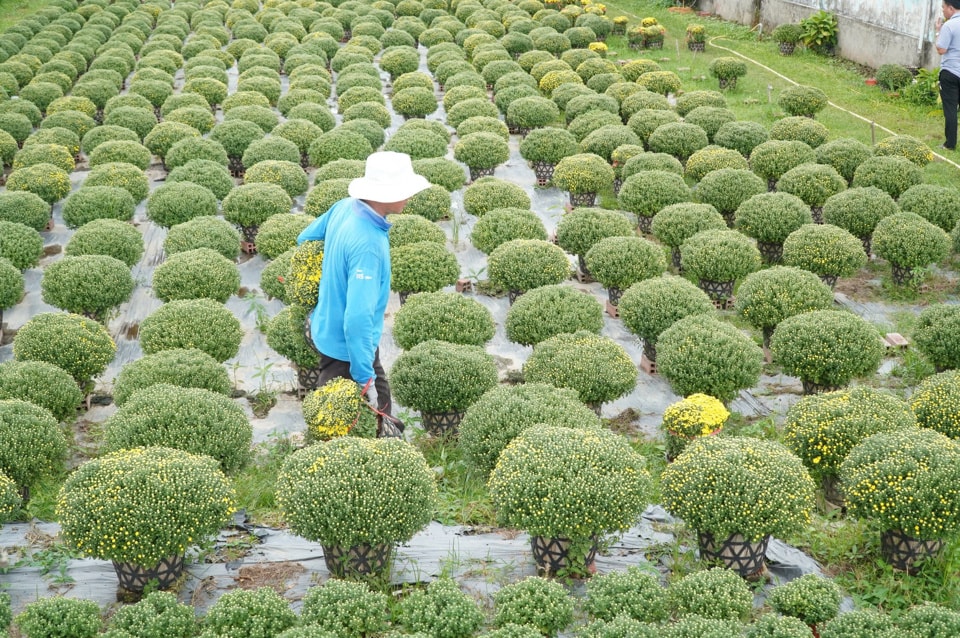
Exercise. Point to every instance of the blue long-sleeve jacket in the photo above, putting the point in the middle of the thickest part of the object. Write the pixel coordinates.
(355, 285)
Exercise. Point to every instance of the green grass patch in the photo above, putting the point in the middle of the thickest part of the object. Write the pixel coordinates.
(12, 11)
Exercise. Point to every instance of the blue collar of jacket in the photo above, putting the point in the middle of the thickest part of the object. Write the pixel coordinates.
(365, 211)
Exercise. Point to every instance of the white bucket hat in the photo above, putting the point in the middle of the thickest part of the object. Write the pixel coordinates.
(388, 178)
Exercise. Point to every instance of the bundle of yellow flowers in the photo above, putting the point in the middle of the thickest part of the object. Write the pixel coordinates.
(337, 409)
(303, 280)
(598, 47)
(697, 415)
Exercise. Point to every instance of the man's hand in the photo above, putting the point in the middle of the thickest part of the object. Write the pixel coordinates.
(938, 24)
(369, 391)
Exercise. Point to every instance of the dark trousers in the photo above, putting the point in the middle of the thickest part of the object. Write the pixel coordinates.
(950, 95)
(331, 369)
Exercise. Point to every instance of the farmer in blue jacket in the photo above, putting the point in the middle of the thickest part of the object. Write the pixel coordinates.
(347, 323)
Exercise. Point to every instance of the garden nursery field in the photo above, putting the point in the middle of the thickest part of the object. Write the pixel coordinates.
(673, 331)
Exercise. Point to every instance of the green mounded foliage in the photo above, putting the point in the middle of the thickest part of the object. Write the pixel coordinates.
(905, 479)
(677, 223)
(236, 136)
(442, 172)
(345, 608)
(651, 162)
(98, 202)
(549, 145)
(274, 275)
(845, 155)
(186, 368)
(927, 618)
(524, 264)
(813, 183)
(195, 148)
(934, 403)
(472, 107)
(90, 285)
(417, 143)
(204, 232)
(285, 334)
(33, 445)
(274, 148)
(825, 250)
(175, 203)
(633, 593)
(432, 203)
(42, 384)
(8, 147)
(106, 133)
(773, 158)
(858, 210)
(702, 354)
(236, 611)
(80, 346)
(909, 241)
(199, 118)
(811, 599)
(111, 237)
(424, 266)
(340, 169)
(662, 82)
(741, 136)
(195, 274)
(252, 204)
(164, 135)
(540, 604)
(598, 490)
(596, 367)
(278, 234)
(409, 229)
(651, 306)
(727, 70)
(679, 139)
(580, 229)
(287, 175)
(826, 347)
(778, 502)
(648, 192)
(47, 181)
(324, 195)
(209, 174)
(590, 102)
(822, 428)
(501, 225)
(939, 205)
(140, 121)
(11, 285)
(933, 335)
(121, 151)
(189, 100)
(767, 297)
(551, 310)
(588, 122)
(619, 626)
(126, 176)
(444, 316)
(47, 616)
(157, 615)
(691, 100)
(488, 193)
(192, 323)
(801, 129)
(483, 124)
(24, 208)
(442, 609)
(504, 412)
(710, 118)
(532, 112)
(194, 420)
(620, 262)
(904, 146)
(338, 144)
(17, 125)
(894, 77)
(771, 217)
(801, 100)
(713, 158)
(604, 140)
(414, 102)
(21, 245)
(481, 150)
(437, 377)
(54, 154)
(715, 593)
(719, 256)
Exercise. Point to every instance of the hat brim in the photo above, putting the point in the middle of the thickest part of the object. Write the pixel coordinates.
(387, 192)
